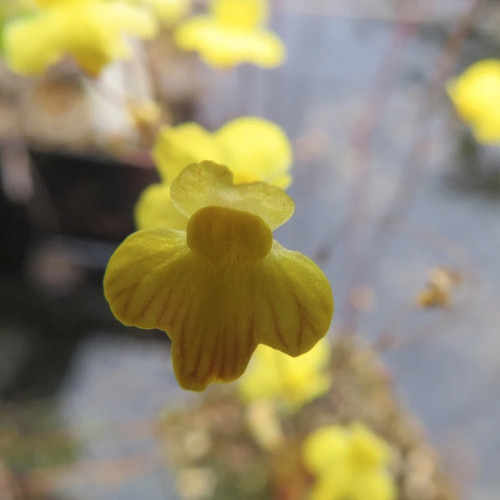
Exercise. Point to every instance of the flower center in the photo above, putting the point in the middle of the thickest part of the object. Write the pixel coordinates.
(230, 236)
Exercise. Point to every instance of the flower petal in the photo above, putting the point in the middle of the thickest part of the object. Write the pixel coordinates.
(255, 149)
(240, 14)
(29, 47)
(475, 89)
(130, 19)
(187, 36)
(209, 184)
(230, 40)
(274, 374)
(91, 31)
(169, 11)
(154, 281)
(222, 47)
(155, 209)
(216, 314)
(177, 147)
(293, 300)
(140, 272)
(325, 448)
(266, 49)
(377, 484)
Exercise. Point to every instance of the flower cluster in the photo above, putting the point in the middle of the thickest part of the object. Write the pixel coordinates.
(253, 148)
(348, 462)
(224, 285)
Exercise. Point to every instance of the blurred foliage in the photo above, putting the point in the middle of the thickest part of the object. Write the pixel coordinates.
(214, 437)
(31, 437)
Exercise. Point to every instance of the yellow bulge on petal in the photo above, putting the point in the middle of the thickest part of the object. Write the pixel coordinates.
(240, 14)
(229, 236)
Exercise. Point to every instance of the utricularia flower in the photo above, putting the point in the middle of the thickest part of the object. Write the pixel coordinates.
(273, 375)
(233, 32)
(254, 149)
(224, 285)
(475, 95)
(92, 32)
(348, 462)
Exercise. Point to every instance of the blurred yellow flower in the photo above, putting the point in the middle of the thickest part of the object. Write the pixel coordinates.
(223, 286)
(232, 33)
(476, 97)
(92, 32)
(255, 149)
(348, 462)
(272, 374)
(169, 12)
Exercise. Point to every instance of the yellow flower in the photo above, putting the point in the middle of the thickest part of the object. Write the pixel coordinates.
(91, 31)
(258, 149)
(169, 12)
(348, 463)
(223, 286)
(475, 95)
(255, 149)
(176, 147)
(295, 381)
(232, 33)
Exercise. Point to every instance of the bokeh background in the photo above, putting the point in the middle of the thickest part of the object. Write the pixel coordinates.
(388, 184)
